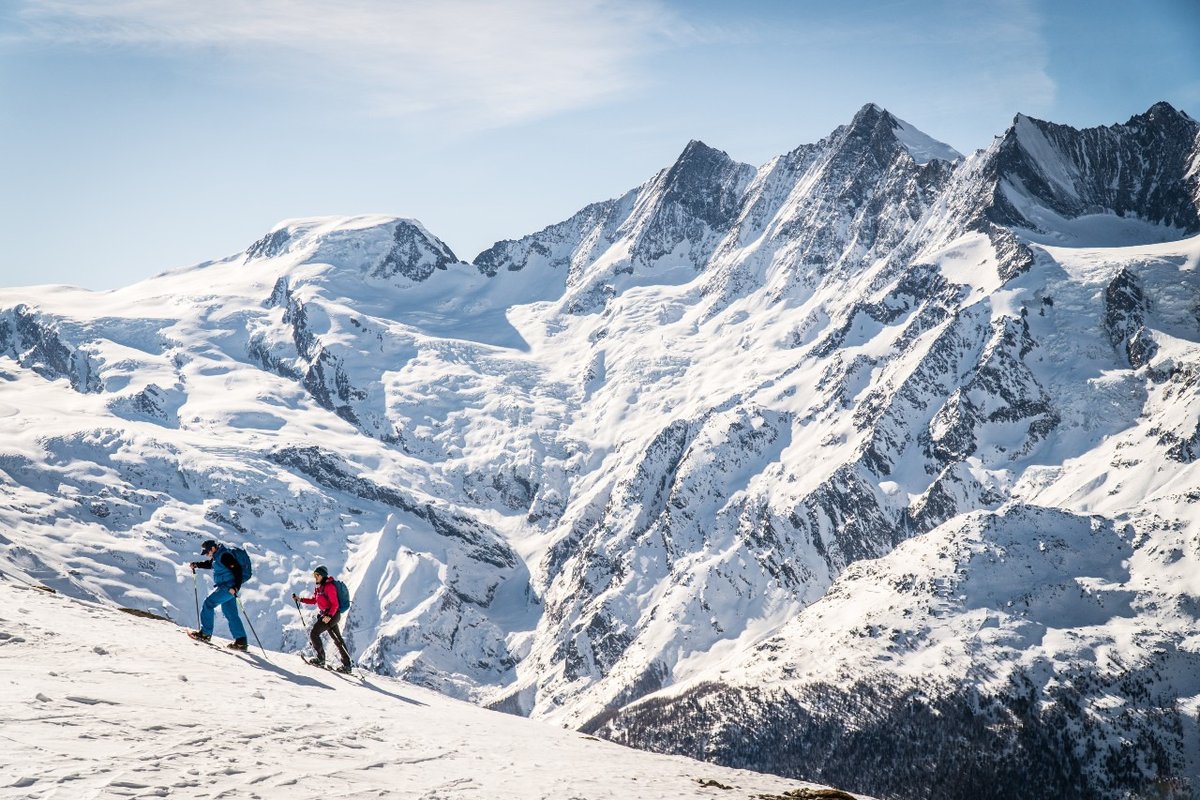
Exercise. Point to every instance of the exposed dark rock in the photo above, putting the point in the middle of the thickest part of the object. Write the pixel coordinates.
(415, 255)
(929, 740)
(1181, 448)
(701, 193)
(1125, 307)
(33, 341)
(1140, 168)
(273, 244)
(228, 520)
(555, 244)
(808, 793)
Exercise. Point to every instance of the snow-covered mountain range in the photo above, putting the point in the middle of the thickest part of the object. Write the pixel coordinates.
(824, 467)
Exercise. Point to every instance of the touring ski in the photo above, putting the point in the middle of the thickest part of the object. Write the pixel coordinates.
(195, 637)
(312, 662)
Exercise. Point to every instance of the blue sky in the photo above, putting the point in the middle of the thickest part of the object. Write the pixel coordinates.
(144, 135)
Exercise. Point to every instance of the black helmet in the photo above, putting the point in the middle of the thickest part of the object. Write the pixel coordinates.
(209, 544)
(324, 573)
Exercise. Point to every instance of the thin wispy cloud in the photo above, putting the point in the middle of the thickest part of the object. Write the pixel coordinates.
(1012, 54)
(493, 63)
(994, 53)
(958, 66)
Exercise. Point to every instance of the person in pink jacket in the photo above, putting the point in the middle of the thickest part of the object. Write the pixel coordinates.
(325, 598)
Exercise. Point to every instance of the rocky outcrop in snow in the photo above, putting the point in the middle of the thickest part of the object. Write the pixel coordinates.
(36, 343)
(968, 662)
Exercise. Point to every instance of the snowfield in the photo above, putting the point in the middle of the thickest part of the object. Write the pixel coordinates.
(101, 704)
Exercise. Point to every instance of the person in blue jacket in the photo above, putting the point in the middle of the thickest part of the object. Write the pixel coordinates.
(227, 576)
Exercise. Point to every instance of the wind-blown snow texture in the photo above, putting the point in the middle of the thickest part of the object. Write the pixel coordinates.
(742, 444)
(100, 704)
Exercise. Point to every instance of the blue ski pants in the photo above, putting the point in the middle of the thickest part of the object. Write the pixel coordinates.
(228, 603)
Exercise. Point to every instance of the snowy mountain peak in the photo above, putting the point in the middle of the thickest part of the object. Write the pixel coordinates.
(1130, 183)
(1162, 111)
(671, 226)
(380, 247)
(870, 114)
(871, 124)
(706, 184)
(698, 150)
(877, 123)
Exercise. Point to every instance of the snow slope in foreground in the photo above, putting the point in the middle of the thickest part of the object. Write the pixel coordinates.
(97, 703)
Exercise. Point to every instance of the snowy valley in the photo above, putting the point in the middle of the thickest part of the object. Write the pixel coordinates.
(873, 466)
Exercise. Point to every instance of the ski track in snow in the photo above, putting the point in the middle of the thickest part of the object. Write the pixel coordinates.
(100, 704)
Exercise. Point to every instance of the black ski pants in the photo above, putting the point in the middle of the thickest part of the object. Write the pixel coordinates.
(335, 634)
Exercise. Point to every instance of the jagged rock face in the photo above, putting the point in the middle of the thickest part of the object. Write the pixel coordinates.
(1001, 390)
(1144, 168)
(868, 193)
(673, 527)
(693, 202)
(696, 197)
(557, 246)
(833, 207)
(611, 455)
(676, 218)
(415, 255)
(35, 343)
(1125, 307)
(273, 244)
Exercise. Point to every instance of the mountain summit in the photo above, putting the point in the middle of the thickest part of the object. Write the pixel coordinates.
(875, 124)
(1145, 170)
(379, 247)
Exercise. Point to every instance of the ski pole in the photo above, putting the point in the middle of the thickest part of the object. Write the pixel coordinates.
(196, 595)
(301, 610)
(251, 624)
(336, 635)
